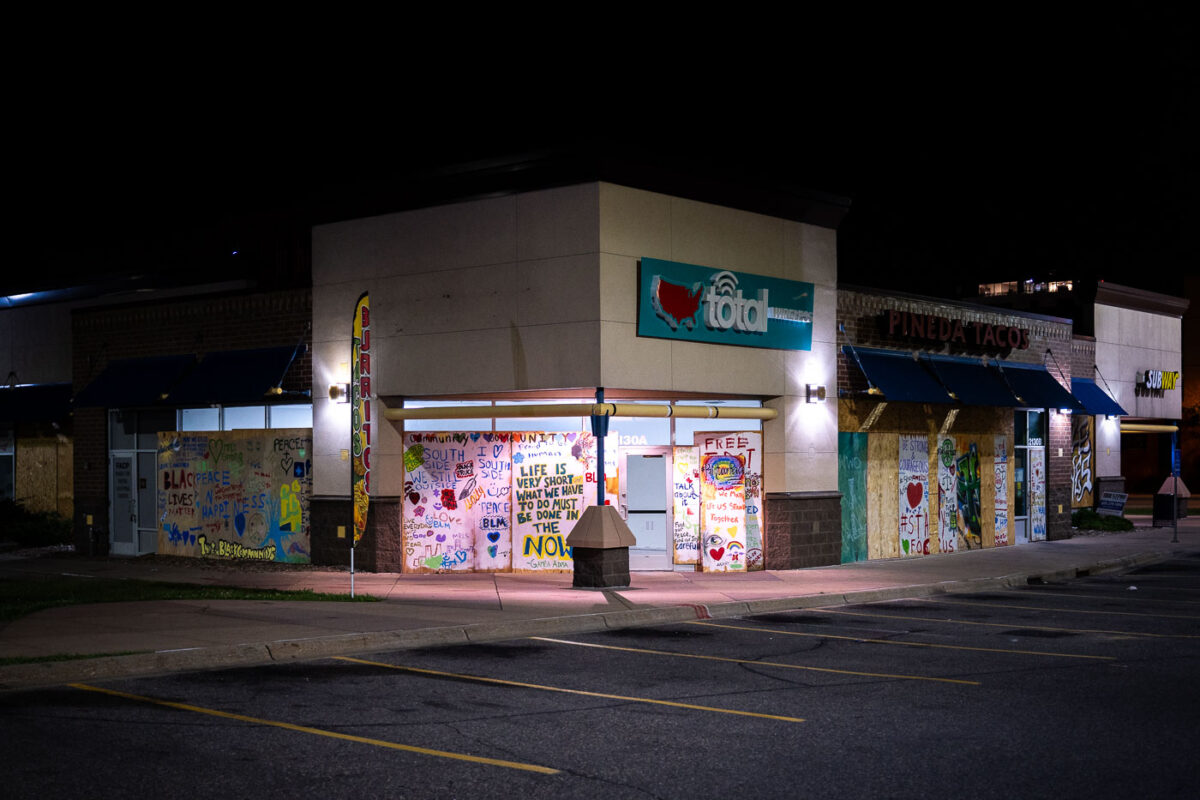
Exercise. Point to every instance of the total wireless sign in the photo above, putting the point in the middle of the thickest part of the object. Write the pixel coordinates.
(703, 304)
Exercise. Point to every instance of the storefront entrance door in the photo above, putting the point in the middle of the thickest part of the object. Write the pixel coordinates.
(132, 528)
(645, 505)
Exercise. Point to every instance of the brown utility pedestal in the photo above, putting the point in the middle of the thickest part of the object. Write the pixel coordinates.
(600, 544)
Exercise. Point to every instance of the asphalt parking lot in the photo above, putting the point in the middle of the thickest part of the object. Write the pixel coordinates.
(1084, 688)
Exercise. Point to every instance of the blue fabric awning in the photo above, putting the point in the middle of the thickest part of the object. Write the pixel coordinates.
(47, 402)
(972, 383)
(899, 376)
(134, 382)
(234, 377)
(1036, 388)
(1095, 399)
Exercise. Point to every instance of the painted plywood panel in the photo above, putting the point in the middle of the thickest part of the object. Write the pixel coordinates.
(1001, 488)
(747, 445)
(882, 477)
(686, 490)
(457, 510)
(553, 481)
(914, 495)
(947, 495)
(723, 513)
(235, 494)
(852, 483)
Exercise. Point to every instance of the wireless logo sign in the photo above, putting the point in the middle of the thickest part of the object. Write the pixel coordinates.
(685, 301)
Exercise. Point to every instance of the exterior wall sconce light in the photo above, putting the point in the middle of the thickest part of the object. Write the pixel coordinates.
(339, 392)
(1065, 411)
(814, 393)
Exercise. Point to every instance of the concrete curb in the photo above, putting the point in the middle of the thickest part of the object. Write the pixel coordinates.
(56, 673)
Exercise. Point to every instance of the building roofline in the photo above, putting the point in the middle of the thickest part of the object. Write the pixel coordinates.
(1114, 294)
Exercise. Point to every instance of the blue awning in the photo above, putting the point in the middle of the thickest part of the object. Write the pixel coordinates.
(972, 383)
(235, 377)
(134, 382)
(1095, 399)
(1036, 388)
(899, 376)
(47, 402)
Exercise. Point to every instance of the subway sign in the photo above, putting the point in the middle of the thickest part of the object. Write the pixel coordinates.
(719, 306)
(1152, 382)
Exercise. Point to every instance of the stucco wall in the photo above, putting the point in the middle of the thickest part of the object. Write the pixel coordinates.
(801, 445)
(539, 291)
(1130, 341)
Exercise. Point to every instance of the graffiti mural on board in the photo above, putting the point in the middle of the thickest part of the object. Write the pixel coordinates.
(747, 445)
(723, 513)
(969, 500)
(1000, 472)
(1037, 494)
(914, 495)
(235, 494)
(947, 496)
(1082, 438)
(686, 484)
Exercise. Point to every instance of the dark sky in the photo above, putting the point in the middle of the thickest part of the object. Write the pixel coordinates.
(973, 150)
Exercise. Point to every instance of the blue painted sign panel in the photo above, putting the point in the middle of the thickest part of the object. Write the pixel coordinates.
(705, 304)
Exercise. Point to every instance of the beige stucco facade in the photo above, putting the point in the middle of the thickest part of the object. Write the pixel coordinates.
(538, 291)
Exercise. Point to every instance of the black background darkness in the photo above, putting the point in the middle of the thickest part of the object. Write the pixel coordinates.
(970, 150)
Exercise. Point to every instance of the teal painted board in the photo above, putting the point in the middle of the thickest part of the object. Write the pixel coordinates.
(852, 483)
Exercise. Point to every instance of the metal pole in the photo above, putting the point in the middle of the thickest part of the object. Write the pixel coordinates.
(352, 570)
(1175, 488)
(599, 430)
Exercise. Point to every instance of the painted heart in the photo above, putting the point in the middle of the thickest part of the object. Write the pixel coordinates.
(492, 551)
(494, 536)
(571, 437)
(915, 492)
(441, 537)
(474, 437)
(904, 545)
(717, 553)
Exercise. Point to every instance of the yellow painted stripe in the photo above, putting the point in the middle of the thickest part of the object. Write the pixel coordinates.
(1124, 598)
(493, 762)
(540, 687)
(1058, 610)
(897, 642)
(757, 663)
(1001, 624)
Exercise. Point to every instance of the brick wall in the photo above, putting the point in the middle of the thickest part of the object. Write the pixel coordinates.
(380, 549)
(803, 530)
(170, 327)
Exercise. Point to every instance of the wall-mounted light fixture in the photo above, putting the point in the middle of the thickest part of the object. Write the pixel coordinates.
(339, 392)
(1065, 411)
(814, 393)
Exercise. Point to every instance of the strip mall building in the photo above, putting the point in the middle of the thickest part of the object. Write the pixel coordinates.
(865, 424)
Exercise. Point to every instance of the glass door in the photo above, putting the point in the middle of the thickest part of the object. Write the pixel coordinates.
(645, 504)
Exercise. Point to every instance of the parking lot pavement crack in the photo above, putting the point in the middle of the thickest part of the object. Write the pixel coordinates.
(616, 598)
(499, 599)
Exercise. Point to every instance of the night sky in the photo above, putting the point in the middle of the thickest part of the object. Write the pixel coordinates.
(1041, 147)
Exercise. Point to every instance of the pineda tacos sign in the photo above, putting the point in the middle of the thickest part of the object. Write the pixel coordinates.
(704, 304)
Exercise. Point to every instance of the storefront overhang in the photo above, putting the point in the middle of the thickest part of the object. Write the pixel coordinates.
(898, 377)
(970, 382)
(1094, 399)
(235, 377)
(1035, 387)
(134, 382)
(581, 410)
(50, 402)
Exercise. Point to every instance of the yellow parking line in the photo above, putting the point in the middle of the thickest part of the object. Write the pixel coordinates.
(898, 642)
(757, 663)
(1002, 624)
(940, 601)
(331, 734)
(503, 682)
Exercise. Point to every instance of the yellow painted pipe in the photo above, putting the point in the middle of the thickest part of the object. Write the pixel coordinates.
(1140, 427)
(581, 410)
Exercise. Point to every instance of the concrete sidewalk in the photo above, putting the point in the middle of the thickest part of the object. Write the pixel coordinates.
(425, 610)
